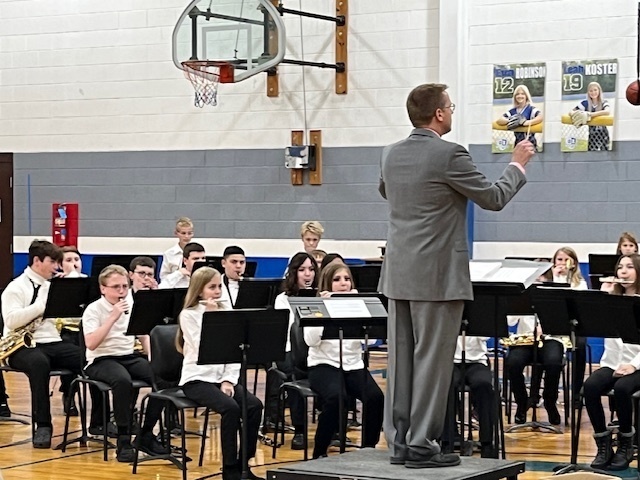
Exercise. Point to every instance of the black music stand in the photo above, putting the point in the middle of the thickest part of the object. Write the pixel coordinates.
(257, 292)
(68, 298)
(601, 265)
(152, 308)
(580, 313)
(243, 336)
(99, 262)
(487, 317)
(215, 261)
(313, 312)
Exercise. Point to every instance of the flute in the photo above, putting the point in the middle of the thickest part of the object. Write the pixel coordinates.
(621, 281)
(206, 302)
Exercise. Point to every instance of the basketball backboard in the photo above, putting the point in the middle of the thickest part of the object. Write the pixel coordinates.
(248, 35)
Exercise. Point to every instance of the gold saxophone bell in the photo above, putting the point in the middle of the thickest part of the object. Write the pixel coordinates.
(18, 338)
(70, 324)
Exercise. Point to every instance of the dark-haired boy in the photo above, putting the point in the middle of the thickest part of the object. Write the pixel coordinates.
(234, 264)
(193, 252)
(23, 303)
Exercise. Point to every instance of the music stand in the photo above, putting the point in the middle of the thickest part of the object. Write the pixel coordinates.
(601, 265)
(257, 292)
(151, 308)
(68, 297)
(580, 313)
(243, 336)
(353, 317)
(366, 277)
(99, 262)
(494, 282)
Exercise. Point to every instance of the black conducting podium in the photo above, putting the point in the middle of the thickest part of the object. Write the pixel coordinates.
(587, 313)
(251, 336)
(345, 317)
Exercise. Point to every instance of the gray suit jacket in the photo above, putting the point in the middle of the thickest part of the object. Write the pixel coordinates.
(427, 182)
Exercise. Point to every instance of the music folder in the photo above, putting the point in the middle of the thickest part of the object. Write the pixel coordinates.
(68, 297)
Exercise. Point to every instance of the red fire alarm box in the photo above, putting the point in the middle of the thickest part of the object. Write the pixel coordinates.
(64, 228)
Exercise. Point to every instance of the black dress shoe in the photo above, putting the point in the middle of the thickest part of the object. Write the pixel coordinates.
(552, 413)
(42, 437)
(431, 460)
(149, 444)
(297, 443)
(521, 416)
(69, 408)
(488, 451)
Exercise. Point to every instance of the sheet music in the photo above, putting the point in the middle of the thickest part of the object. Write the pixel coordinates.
(480, 270)
(347, 308)
(511, 274)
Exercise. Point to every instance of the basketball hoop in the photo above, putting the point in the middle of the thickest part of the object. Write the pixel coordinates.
(205, 75)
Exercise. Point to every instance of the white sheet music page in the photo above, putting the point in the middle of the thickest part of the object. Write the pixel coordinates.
(347, 308)
(479, 271)
(511, 274)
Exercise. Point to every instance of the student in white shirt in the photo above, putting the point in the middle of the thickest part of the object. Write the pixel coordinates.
(111, 359)
(193, 252)
(327, 378)
(234, 264)
(215, 386)
(619, 370)
(301, 274)
(172, 258)
(23, 303)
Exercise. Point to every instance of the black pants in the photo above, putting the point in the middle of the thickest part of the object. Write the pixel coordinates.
(598, 384)
(327, 382)
(118, 372)
(3, 390)
(275, 378)
(37, 363)
(550, 356)
(230, 408)
(480, 381)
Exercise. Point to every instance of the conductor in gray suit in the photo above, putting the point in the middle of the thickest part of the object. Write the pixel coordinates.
(427, 182)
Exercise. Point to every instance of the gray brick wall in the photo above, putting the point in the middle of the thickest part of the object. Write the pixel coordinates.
(589, 197)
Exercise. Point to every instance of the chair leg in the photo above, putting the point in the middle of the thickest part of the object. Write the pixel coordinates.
(135, 445)
(184, 445)
(205, 429)
(279, 409)
(305, 434)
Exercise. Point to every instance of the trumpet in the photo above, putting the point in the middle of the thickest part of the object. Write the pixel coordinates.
(621, 281)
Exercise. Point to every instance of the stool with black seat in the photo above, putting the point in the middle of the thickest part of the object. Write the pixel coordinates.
(166, 363)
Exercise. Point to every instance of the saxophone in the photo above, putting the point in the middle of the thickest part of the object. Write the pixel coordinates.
(20, 337)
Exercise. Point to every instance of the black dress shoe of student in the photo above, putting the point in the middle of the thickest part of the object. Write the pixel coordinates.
(98, 431)
(4, 410)
(124, 450)
(397, 459)
(552, 413)
(42, 437)
(520, 417)
(149, 444)
(297, 443)
(69, 408)
(431, 460)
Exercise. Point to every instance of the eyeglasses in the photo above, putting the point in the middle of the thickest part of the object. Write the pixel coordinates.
(452, 107)
(117, 287)
(144, 274)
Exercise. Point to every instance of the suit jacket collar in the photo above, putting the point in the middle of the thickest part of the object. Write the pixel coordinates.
(424, 132)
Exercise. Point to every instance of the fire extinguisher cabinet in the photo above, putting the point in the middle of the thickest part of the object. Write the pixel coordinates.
(64, 224)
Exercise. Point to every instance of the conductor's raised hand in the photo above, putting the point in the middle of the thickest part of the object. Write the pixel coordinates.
(523, 152)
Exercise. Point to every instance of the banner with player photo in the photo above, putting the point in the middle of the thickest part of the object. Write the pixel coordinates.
(588, 98)
(518, 105)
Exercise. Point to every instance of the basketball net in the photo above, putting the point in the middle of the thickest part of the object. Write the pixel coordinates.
(205, 77)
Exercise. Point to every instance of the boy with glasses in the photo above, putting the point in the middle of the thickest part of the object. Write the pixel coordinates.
(111, 359)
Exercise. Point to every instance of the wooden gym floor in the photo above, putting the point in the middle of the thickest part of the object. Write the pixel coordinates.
(18, 460)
